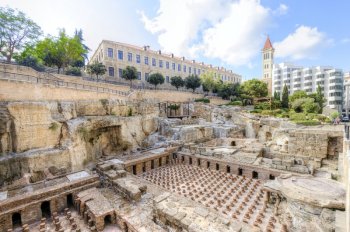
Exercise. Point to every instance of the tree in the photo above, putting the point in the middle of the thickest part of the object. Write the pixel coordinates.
(96, 68)
(285, 101)
(277, 96)
(177, 82)
(156, 79)
(129, 73)
(192, 82)
(208, 81)
(16, 31)
(255, 88)
(29, 58)
(297, 95)
(81, 62)
(320, 99)
(305, 105)
(228, 90)
(60, 51)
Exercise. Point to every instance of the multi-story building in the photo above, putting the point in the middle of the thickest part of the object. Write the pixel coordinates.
(308, 79)
(346, 94)
(116, 56)
(267, 64)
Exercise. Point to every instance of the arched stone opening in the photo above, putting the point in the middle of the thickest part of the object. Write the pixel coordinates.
(152, 164)
(271, 177)
(217, 167)
(45, 209)
(228, 169)
(134, 169)
(208, 164)
(108, 220)
(16, 220)
(70, 201)
(240, 171)
(190, 160)
(233, 143)
(198, 162)
(255, 175)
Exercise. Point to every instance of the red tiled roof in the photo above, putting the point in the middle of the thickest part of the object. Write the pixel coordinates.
(268, 44)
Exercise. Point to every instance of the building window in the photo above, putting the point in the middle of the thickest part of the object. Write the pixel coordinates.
(120, 55)
(110, 52)
(173, 64)
(146, 76)
(194, 71)
(199, 72)
(146, 60)
(111, 71)
(167, 79)
(160, 64)
(189, 70)
(167, 65)
(179, 67)
(184, 68)
(120, 72)
(154, 62)
(130, 57)
(139, 75)
(138, 59)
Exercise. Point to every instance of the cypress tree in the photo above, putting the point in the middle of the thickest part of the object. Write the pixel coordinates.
(285, 102)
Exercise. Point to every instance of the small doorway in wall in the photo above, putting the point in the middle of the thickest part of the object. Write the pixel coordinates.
(190, 161)
(271, 177)
(16, 220)
(208, 164)
(108, 220)
(255, 175)
(70, 202)
(240, 171)
(198, 162)
(134, 169)
(167, 160)
(45, 209)
(160, 162)
(143, 167)
(233, 143)
(228, 169)
(217, 167)
(183, 159)
(152, 164)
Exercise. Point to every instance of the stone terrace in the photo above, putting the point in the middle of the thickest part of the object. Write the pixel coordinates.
(238, 197)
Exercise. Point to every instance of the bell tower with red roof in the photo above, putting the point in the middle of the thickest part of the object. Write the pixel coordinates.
(267, 64)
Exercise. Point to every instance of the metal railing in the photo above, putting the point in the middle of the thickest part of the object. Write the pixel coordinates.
(57, 83)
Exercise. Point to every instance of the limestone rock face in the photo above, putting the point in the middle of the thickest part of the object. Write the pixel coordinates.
(35, 136)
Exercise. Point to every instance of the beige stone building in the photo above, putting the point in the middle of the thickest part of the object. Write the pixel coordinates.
(116, 56)
(267, 64)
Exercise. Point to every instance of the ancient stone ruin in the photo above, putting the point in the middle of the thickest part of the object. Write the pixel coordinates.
(91, 165)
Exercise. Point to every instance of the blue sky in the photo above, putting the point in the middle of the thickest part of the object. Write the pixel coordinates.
(228, 33)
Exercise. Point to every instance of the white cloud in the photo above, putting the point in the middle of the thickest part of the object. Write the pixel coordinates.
(281, 10)
(304, 42)
(345, 40)
(231, 31)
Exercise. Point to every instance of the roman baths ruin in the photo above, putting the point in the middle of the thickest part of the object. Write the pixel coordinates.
(78, 155)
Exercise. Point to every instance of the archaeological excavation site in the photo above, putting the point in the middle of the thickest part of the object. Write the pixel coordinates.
(78, 156)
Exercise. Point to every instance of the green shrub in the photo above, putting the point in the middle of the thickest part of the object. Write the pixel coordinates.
(53, 126)
(256, 111)
(235, 103)
(334, 115)
(327, 120)
(321, 118)
(204, 100)
(268, 112)
(73, 71)
(262, 106)
(297, 116)
(307, 122)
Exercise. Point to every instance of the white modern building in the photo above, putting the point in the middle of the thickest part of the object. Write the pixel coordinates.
(308, 79)
(346, 95)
